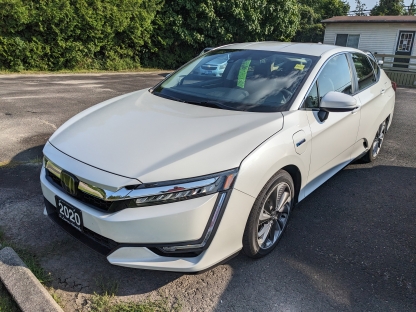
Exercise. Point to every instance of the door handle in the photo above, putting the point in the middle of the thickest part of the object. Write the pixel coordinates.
(383, 91)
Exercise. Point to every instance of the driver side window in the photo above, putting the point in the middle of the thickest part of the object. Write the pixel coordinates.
(335, 76)
(312, 100)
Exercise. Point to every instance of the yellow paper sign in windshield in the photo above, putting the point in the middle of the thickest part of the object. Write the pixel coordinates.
(242, 74)
(299, 66)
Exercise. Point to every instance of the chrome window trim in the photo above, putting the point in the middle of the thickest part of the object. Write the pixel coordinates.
(125, 194)
(353, 73)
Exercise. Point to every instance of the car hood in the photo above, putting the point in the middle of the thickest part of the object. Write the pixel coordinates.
(149, 138)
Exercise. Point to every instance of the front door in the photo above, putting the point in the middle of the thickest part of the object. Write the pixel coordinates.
(332, 138)
(404, 47)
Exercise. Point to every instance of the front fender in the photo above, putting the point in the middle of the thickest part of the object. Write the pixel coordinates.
(276, 153)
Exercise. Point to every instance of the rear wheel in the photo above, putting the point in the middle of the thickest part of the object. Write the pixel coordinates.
(376, 145)
(269, 216)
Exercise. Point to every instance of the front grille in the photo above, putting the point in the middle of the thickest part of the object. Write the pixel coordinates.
(54, 178)
(87, 199)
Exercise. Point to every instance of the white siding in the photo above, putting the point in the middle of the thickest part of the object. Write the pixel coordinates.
(375, 37)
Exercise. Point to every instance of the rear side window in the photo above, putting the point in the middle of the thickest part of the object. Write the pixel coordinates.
(335, 76)
(375, 68)
(364, 69)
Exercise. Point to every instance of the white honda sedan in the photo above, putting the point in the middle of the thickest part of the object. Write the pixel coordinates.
(184, 175)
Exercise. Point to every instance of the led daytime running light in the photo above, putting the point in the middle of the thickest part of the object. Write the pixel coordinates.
(175, 195)
(182, 190)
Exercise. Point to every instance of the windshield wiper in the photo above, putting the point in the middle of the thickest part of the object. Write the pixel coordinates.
(214, 104)
(170, 97)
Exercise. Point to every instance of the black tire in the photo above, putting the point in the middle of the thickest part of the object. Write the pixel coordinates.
(255, 242)
(375, 147)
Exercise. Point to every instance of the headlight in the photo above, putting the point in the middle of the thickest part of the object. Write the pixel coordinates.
(223, 66)
(171, 191)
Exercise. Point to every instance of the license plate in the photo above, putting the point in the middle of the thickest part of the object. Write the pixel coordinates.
(69, 213)
(208, 72)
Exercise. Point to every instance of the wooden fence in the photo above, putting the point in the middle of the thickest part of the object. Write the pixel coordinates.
(403, 76)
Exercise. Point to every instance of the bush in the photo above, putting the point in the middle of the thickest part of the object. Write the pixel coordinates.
(184, 27)
(74, 34)
(125, 34)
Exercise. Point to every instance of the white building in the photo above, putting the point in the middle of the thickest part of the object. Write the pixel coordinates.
(379, 34)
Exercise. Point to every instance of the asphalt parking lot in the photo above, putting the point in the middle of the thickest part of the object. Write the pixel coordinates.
(350, 245)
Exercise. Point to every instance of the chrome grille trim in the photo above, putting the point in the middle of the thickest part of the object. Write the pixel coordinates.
(123, 193)
(89, 188)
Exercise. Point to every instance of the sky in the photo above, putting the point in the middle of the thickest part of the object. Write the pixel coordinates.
(371, 3)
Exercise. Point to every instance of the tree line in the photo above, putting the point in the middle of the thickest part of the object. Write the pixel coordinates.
(127, 34)
(385, 7)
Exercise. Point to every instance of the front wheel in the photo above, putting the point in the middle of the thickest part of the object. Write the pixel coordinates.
(269, 216)
(372, 154)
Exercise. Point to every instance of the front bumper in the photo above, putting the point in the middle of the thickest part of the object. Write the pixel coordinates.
(133, 237)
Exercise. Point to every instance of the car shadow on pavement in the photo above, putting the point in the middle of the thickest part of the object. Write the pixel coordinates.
(22, 172)
(350, 245)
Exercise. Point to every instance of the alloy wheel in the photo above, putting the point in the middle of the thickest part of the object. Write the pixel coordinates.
(274, 215)
(378, 141)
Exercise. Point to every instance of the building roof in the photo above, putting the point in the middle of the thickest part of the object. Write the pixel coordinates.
(371, 19)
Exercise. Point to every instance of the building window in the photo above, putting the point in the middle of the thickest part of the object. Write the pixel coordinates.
(405, 42)
(345, 40)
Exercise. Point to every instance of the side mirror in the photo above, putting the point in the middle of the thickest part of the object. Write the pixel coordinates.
(336, 102)
(380, 62)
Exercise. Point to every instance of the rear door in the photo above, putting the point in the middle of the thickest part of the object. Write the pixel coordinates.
(373, 92)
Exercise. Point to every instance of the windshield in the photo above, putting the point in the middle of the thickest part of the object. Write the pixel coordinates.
(244, 80)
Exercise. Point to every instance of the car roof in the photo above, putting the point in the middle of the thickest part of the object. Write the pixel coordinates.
(315, 49)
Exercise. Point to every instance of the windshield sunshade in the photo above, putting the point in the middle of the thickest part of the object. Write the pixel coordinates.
(244, 80)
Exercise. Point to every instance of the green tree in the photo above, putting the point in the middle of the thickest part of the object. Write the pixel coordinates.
(360, 8)
(388, 7)
(312, 12)
(412, 8)
(184, 27)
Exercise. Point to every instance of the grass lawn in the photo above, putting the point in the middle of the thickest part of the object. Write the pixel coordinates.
(6, 302)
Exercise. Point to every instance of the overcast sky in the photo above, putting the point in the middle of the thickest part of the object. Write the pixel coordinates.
(371, 3)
